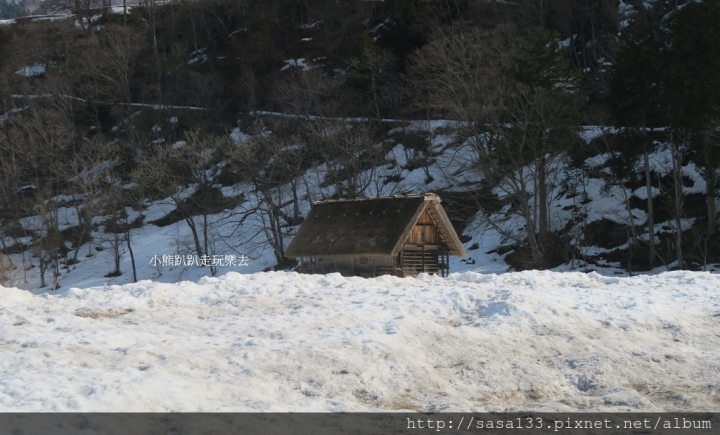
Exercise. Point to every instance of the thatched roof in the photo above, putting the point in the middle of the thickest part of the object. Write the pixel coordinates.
(368, 226)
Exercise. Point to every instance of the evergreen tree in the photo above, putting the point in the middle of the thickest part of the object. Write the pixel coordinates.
(693, 78)
(638, 101)
(639, 76)
(544, 77)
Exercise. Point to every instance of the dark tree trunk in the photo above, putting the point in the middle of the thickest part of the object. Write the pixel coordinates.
(132, 255)
(42, 267)
(196, 239)
(651, 217)
(206, 243)
(542, 200)
(711, 209)
(81, 235)
(677, 179)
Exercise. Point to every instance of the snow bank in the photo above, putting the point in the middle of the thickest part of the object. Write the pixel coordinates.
(287, 342)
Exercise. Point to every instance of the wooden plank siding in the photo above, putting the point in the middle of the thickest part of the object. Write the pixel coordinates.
(361, 265)
(414, 259)
(423, 252)
(425, 232)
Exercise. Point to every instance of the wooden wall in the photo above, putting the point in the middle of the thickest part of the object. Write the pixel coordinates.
(361, 265)
(425, 232)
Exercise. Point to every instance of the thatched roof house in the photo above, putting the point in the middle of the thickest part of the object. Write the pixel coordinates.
(400, 235)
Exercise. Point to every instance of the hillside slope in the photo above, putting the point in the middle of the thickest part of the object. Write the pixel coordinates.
(200, 128)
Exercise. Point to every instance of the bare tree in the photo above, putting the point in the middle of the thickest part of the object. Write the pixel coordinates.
(185, 173)
(37, 143)
(48, 240)
(112, 233)
(84, 10)
(678, 153)
(121, 218)
(87, 172)
(371, 81)
(271, 167)
(516, 103)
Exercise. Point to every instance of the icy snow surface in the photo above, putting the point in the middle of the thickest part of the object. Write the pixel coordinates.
(31, 71)
(281, 341)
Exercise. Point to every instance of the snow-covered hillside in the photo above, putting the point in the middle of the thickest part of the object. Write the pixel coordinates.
(282, 341)
(591, 202)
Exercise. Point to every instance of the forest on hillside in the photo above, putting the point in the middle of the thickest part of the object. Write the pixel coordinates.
(105, 109)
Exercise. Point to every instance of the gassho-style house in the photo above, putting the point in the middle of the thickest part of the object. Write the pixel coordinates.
(400, 235)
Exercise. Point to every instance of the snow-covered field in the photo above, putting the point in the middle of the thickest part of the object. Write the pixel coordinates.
(286, 342)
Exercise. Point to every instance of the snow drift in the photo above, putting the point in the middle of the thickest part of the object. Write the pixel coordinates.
(281, 341)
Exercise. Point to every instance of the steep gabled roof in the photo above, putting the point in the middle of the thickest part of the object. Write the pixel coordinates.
(368, 226)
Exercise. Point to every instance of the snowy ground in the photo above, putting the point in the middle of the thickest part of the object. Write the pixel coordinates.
(286, 342)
